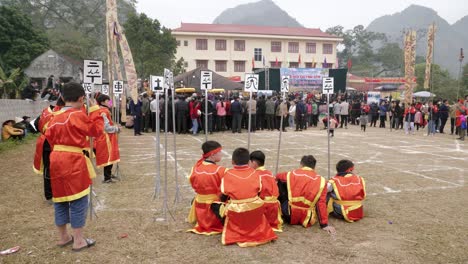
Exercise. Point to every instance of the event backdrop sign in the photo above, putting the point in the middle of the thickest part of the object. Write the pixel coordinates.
(304, 78)
(373, 97)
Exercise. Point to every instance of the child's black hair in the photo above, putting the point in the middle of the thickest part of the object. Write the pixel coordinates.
(258, 156)
(102, 98)
(72, 92)
(209, 146)
(309, 161)
(343, 165)
(240, 156)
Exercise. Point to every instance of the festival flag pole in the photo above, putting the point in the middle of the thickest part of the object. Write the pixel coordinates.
(177, 194)
(250, 118)
(157, 185)
(280, 134)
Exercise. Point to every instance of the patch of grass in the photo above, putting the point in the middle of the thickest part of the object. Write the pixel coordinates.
(13, 144)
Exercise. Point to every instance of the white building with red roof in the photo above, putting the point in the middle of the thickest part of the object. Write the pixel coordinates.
(233, 50)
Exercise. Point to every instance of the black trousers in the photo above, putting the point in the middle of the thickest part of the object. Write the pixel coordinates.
(270, 122)
(108, 172)
(236, 123)
(442, 124)
(181, 124)
(344, 120)
(46, 173)
(260, 121)
(253, 122)
(382, 121)
(136, 125)
(221, 123)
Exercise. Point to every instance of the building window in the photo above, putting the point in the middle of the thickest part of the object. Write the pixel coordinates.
(327, 65)
(202, 44)
(220, 44)
(274, 64)
(311, 47)
(185, 64)
(221, 66)
(294, 65)
(178, 42)
(258, 54)
(275, 46)
(327, 48)
(293, 47)
(185, 43)
(239, 45)
(239, 66)
(202, 64)
(308, 65)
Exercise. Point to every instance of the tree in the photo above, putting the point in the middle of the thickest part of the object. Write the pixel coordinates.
(357, 44)
(464, 81)
(76, 28)
(179, 67)
(442, 84)
(20, 41)
(153, 46)
(7, 82)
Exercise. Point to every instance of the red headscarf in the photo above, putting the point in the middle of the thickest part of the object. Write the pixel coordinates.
(206, 155)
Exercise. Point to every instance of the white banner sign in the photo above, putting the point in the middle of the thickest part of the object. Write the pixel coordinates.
(284, 84)
(251, 82)
(88, 88)
(118, 87)
(327, 85)
(105, 89)
(157, 83)
(168, 79)
(206, 80)
(92, 72)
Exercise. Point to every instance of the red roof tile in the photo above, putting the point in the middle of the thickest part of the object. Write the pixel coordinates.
(249, 29)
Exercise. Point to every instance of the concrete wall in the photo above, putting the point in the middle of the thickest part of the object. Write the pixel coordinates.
(11, 108)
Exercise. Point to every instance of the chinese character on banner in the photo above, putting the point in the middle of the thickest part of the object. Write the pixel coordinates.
(251, 82)
(118, 87)
(168, 79)
(206, 80)
(328, 85)
(88, 87)
(105, 89)
(284, 84)
(92, 72)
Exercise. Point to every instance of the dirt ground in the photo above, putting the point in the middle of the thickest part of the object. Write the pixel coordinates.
(416, 209)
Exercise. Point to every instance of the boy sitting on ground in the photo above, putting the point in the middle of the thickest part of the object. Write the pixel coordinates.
(346, 193)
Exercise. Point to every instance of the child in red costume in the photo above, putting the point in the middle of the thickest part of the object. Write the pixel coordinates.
(346, 193)
(205, 179)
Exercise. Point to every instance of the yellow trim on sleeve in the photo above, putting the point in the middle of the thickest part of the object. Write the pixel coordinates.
(93, 108)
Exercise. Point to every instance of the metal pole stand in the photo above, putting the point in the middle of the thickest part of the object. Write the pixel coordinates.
(117, 173)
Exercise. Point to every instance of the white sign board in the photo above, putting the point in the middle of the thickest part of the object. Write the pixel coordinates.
(168, 79)
(118, 87)
(328, 85)
(206, 80)
(251, 82)
(284, 84)
(88, 88)
(105, 89)
(92, 72)
(157, 83)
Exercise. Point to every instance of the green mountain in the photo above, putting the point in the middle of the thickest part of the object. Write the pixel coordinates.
(262, 13)
(449, 38)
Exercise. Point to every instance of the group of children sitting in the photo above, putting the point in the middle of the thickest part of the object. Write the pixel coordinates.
(247, 203)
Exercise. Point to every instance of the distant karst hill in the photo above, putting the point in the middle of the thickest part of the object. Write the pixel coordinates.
(449, 38)
(262, 13)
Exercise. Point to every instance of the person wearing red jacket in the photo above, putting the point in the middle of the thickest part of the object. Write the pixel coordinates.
(71, 170)
(269, 192)
(303, 196)
(346, 193)
(245, 221)
(205, 179)
(41, 156)
(408, 118)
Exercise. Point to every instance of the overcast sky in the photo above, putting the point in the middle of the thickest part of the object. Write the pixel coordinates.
(310, 13)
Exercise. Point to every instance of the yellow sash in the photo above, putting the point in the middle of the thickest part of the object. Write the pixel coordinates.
(200, 198)
(89, 164)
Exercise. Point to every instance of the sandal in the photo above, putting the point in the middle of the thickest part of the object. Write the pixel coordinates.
(66, 244)
(89, 243)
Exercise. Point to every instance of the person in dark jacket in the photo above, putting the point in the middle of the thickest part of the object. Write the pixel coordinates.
(181, 112)
(443, 115)
(30, 91)
(236, 113)
(135, 110)
(261, 110)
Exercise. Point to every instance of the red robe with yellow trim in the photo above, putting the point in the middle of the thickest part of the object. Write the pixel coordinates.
(46, 115)
(69, 170)
(106, 145)
(269, 194)
(206, 180)
(348, 193)
(245, 222)
(307, 196)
